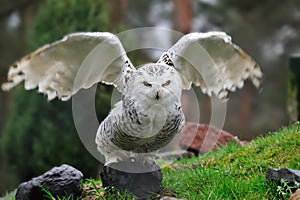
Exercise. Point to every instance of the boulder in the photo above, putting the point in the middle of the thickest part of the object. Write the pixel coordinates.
(63, 181)
(140, 179)
(193, 135)
(290, 176)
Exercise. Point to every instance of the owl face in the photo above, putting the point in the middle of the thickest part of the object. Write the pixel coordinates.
(155, 84)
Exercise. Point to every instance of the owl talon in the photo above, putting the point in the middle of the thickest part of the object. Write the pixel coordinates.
(115, 157)
(149, 161)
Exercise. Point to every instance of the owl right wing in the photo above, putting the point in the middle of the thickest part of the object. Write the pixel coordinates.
(211, 61)
(77, 61)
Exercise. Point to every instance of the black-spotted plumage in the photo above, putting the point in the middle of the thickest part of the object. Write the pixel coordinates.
(125, 128)
(141, 122)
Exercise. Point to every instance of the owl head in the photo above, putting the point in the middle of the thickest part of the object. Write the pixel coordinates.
(154, 83)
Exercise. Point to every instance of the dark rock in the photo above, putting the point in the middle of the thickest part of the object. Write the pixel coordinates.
(142, 180)
(289, 175)
(193, 135)
(59, 181)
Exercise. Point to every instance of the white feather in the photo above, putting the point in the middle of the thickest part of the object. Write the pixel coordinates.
(55, 68)
(211, 61)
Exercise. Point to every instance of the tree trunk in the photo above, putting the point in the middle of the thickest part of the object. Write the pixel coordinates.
(183, 15)
(246, 110)
(118, 13)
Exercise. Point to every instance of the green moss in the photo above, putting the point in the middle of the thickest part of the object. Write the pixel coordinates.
(236, 172)
(279, 149)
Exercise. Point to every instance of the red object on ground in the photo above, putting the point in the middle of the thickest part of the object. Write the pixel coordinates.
(193, 135)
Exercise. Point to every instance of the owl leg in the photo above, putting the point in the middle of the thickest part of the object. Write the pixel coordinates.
(148, 159)
(115, 156)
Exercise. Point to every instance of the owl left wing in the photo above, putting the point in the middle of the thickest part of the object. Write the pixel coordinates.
(211, 61)
(77, 61)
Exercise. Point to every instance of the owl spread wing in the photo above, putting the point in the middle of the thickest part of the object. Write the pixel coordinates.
(211, 61)
(77, 61)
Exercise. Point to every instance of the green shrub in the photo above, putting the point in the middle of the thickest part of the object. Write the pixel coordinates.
(38, 134)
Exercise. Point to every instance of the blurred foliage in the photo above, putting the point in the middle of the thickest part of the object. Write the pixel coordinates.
(40, 134)
(58, 18)
(292, 93)
(293, 97)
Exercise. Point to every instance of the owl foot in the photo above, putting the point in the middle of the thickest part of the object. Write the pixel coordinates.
(114, 157)
(149, 161)
(146, 160)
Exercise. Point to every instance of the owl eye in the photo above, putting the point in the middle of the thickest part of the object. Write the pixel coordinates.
(166, 83)
(147, 84)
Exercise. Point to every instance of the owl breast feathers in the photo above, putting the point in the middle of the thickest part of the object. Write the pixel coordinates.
(149, 114)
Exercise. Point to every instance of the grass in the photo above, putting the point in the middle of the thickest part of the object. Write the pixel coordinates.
(232, 172)
(235, 172)
(93, 190)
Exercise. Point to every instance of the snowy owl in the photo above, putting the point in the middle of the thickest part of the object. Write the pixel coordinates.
(149, 113)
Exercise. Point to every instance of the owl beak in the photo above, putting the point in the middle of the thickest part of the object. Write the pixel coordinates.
(158, 94)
